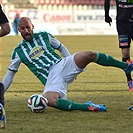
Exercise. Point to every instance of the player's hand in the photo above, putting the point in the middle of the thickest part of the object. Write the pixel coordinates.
(108, 19)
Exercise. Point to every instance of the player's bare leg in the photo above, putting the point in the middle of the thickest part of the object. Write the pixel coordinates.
(125, 58)
(2, 110)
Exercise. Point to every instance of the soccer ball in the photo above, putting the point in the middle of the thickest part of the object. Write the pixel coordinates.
(37, 103)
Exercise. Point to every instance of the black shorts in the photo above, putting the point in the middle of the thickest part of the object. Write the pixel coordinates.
(125, 33)
(3, 18)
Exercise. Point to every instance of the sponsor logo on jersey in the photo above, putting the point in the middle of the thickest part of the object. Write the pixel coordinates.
(36, 52)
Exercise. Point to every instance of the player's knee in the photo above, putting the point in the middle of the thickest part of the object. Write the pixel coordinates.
(90, 55)
(52, 98)
(6, 28)
(52, 101)
(7, 31)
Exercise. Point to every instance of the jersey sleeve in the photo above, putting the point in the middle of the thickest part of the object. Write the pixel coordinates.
(15, 62)
(59, 46)
(54, 42)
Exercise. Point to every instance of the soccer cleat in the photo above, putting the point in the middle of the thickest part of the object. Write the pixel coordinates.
(130, 67)
(130, 108)
(94, 107)
(130, 85)
(2, 116)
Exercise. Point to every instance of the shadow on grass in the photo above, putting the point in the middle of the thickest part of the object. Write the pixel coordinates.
(77, 82)
(75, 90)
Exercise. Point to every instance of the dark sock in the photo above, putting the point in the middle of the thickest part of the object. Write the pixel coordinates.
(1, 93)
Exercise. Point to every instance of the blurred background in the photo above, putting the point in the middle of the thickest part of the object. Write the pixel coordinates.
(62, 17)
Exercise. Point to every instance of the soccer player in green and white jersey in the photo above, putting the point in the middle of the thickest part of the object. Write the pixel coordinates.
(37, 52)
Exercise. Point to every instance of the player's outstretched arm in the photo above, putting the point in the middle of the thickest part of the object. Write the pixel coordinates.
(64, 51)
(7, 80)
(56, 44)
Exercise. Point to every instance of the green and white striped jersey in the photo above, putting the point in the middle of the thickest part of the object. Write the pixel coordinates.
(38, 55)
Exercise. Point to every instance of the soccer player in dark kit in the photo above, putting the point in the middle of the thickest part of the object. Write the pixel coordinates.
(124, 26)
(4, 30)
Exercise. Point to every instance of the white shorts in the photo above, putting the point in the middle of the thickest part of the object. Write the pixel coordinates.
(61, 75)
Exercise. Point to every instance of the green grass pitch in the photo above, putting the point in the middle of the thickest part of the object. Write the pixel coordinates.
(98, 84)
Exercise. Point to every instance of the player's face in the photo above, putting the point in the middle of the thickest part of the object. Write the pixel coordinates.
(25, 27)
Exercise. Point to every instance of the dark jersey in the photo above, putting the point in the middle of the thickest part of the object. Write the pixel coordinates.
(3, 18)
(124, 10)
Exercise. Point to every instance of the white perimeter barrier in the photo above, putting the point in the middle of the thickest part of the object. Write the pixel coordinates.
(89, 22)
